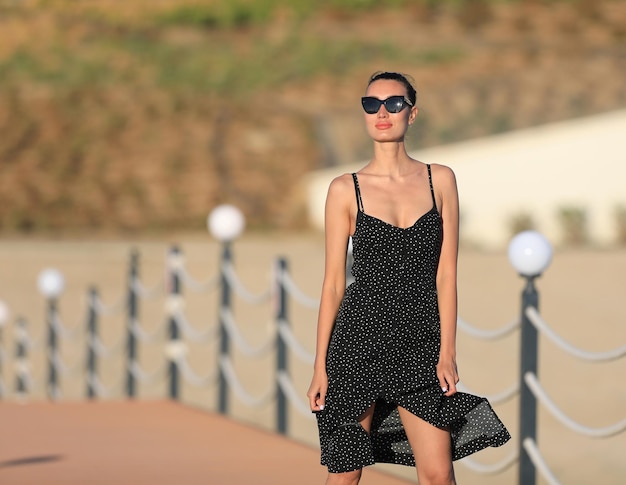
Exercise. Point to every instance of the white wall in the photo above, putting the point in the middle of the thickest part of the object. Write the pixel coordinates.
(575, 164)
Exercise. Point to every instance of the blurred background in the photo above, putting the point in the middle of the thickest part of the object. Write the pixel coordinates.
(126, 117)
(124, 123)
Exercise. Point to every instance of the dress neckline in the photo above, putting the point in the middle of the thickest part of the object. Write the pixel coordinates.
(419, 219)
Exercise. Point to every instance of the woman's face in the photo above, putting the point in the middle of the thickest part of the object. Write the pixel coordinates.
(384, 126)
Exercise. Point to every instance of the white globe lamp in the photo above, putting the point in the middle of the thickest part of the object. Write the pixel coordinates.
(226, 223)
(51, 283)
(530, 253)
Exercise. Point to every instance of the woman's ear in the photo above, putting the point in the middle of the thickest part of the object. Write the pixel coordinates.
(413, 114)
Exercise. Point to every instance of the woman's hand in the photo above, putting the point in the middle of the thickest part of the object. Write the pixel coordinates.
(317, 390)
(447, 374)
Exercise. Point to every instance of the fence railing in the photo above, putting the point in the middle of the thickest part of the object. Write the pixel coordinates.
(175, 331)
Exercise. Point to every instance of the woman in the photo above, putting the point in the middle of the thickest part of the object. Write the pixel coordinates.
(385, 375)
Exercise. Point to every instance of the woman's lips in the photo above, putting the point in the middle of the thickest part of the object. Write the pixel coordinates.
(383, 126)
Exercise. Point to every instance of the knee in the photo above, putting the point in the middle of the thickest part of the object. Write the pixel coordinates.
(436, 476)
(347, 478)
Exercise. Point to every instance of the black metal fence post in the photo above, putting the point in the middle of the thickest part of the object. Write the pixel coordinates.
(223, 333)
(281, 349)
(133, 310)
(21, 358)
(92, 336)
(528, 403)
(53, 375)
(174, 289)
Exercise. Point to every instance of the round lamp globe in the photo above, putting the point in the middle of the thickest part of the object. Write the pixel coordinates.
(530, 253)
(51, 283)
(226, 222)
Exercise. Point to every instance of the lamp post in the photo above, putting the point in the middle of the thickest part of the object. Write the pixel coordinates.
(281, 347)
(225, 223)
(92, 332)
(4, 316)
(133, 315)
(51, 284)
(22, 368)
(175, 345)
(530, 254)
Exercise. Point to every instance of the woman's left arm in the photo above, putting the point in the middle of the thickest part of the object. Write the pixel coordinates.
(447, 372)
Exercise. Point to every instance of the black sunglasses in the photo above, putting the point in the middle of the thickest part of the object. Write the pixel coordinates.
(393, 104)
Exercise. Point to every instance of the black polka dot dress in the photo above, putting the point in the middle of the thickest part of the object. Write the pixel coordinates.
(384, 348)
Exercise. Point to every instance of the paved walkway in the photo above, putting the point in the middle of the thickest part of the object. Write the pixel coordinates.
(148, 442)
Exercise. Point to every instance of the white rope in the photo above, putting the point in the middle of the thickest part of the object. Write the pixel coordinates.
(63, 369)
(63, 331)
(191, 332)
(195, 285)
(235, 385)
(146, 293)
(190, 376)
(297, 294)
(488, 334)
(22, 372)
(104, 391)
(142, 335)
(493, 469)
(233, 281)
(499, 398)
(107, 310)
(22, 338)
(102, 350)
(289, 338)
(22, 367)
(292, 395)
(542, 326)
(147, 378)
(241, 343)
(535, 456)
(535, 387)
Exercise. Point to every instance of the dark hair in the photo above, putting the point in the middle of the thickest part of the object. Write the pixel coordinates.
(401, 78)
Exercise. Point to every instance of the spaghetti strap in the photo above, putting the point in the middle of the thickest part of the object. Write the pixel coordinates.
(430, 181)
(357, 190)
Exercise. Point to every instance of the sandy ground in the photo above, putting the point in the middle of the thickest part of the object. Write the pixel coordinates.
(148, 442)
(581, 297)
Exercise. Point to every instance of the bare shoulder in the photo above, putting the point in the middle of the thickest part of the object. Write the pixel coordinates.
(341, 189)
(341, 185)
(443, 176)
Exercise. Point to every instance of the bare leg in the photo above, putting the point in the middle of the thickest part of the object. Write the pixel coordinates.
(352, 478)
(431, 448)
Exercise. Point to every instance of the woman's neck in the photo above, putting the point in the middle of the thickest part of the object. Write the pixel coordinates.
(391, 159)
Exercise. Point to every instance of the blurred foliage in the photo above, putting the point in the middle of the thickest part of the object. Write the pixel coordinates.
(573, 225)
(145, 114)
(620, 223)
(522, 221)
(241, 67)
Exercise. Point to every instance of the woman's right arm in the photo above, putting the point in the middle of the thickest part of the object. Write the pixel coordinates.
(338, 225)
